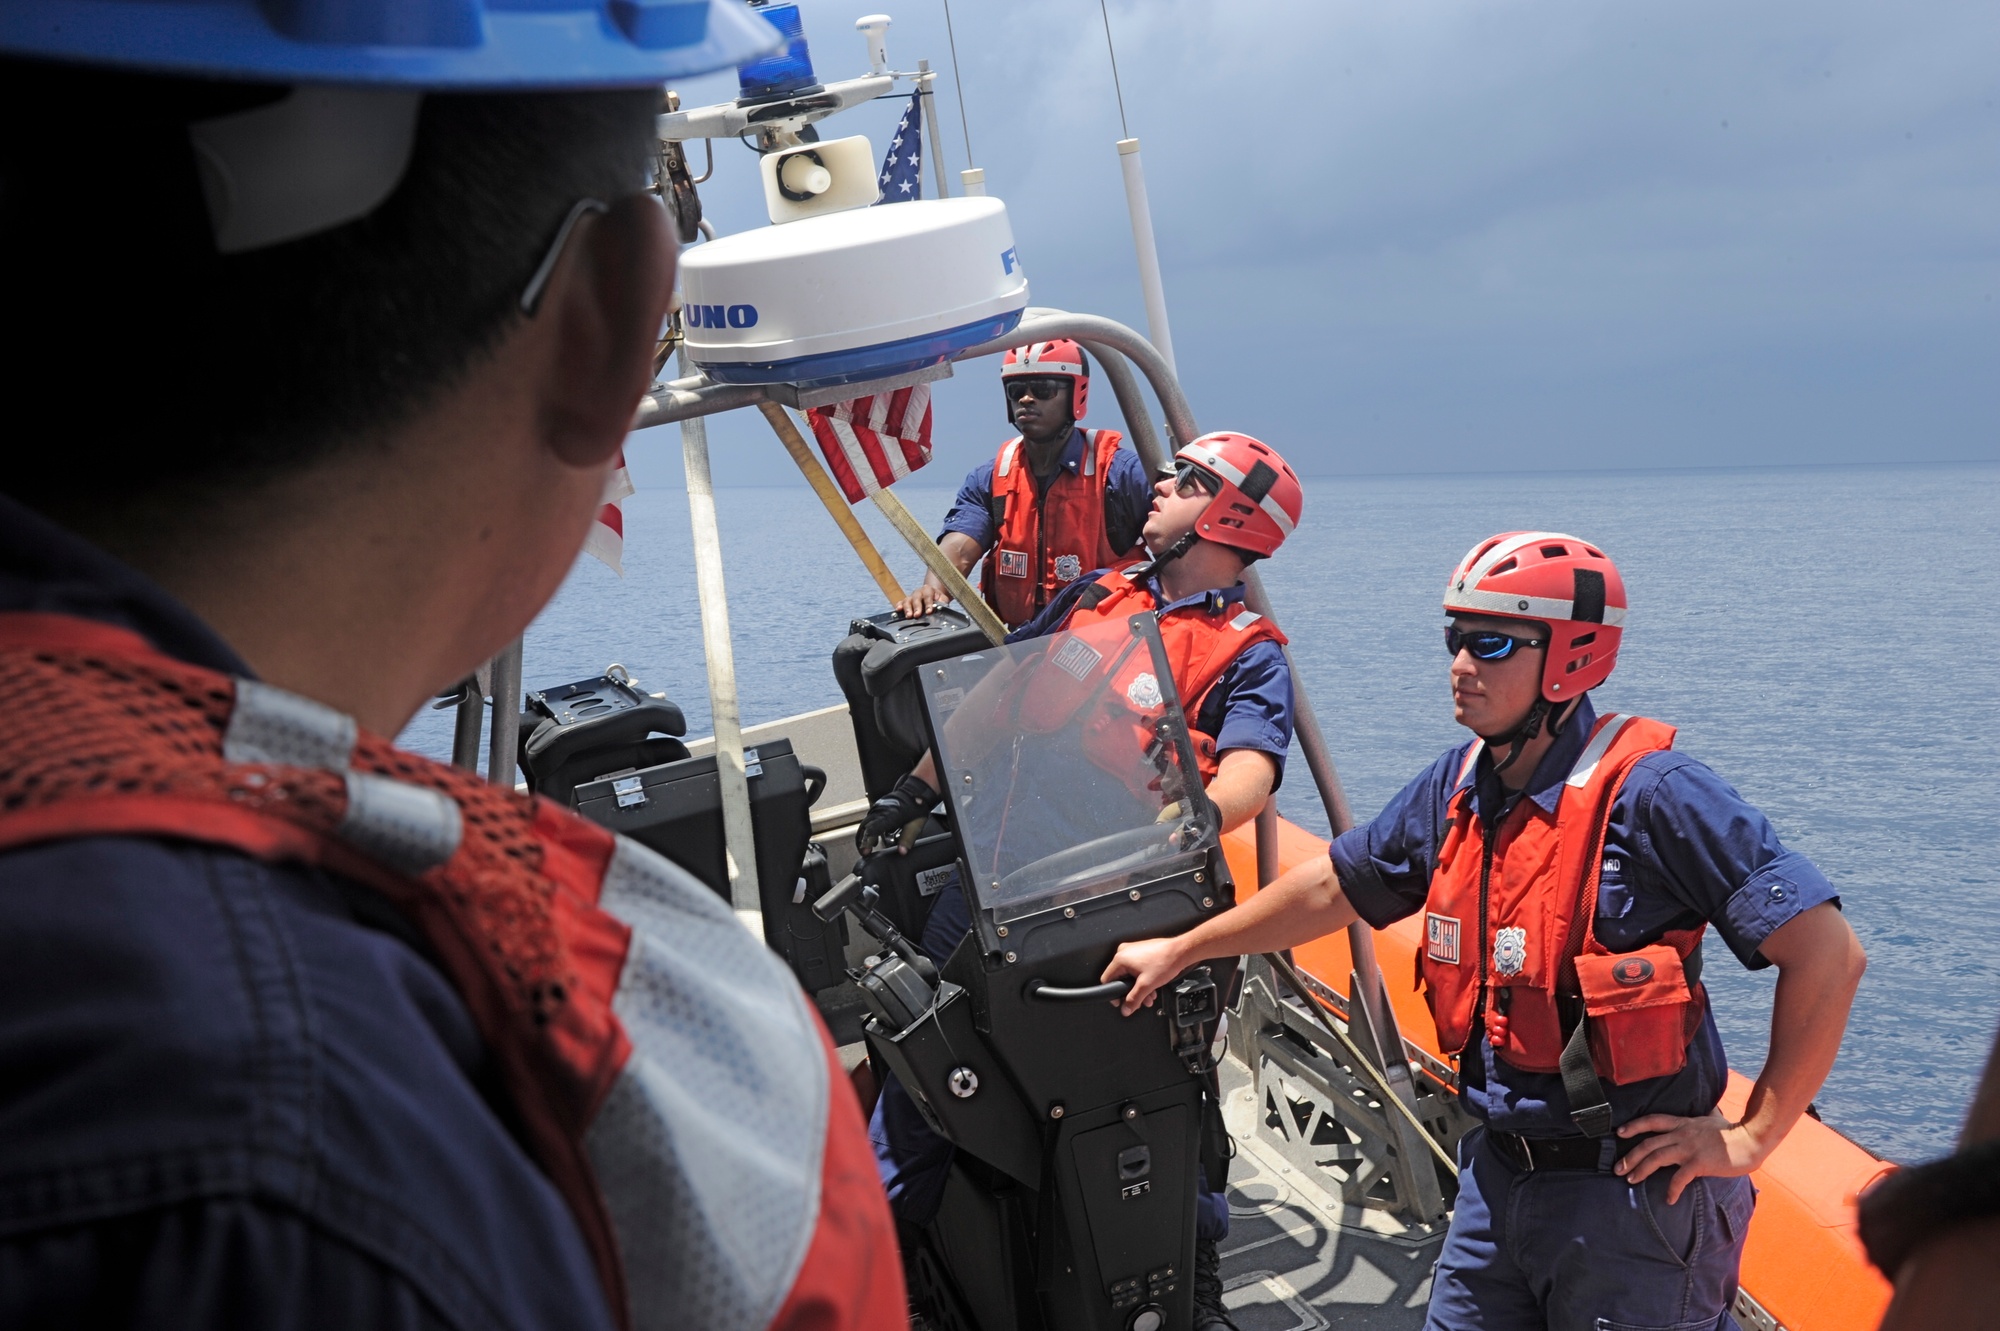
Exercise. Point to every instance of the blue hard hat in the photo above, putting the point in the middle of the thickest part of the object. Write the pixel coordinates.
(419, 44)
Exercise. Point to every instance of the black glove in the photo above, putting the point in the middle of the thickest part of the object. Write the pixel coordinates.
(906, 803)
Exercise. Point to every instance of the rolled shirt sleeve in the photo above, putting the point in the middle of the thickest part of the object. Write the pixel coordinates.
(971, 511)
(1701, 844)
(1384, 866)
(1250, 707)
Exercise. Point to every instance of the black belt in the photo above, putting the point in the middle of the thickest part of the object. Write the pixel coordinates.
(1532, 1153)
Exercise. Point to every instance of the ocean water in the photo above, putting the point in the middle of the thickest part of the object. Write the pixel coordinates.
(1826, 638)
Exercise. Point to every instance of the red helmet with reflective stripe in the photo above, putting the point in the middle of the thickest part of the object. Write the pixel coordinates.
(1260, 498)
(1566, 583)
(1060, 359)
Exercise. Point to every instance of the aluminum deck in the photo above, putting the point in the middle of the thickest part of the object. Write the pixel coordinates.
(1296, 1259)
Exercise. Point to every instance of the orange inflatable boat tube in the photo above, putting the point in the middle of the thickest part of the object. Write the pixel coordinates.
(1802, 1264)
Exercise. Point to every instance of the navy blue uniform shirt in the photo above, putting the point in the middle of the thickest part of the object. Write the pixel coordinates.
(234, 1094)
(1687, 849)
(1250, 706)
(1128, 497)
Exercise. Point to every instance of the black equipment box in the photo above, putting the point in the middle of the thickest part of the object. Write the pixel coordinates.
(874, 665)
(577, 732)
(614, 753)
(676, 809)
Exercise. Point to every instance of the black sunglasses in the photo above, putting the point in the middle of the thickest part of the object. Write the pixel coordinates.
(1485, 644)
(1189, 478)
(1042, 390)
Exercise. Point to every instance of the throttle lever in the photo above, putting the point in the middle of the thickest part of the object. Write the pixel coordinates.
(837, 898)
(850, 893)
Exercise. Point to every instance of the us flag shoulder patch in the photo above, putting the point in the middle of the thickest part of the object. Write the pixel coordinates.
(1077, 658)
(1441, 938)
(1013, 563)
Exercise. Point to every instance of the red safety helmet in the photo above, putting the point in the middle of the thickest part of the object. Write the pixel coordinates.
(1566, 583)
(1060, 359)
(1259, 497)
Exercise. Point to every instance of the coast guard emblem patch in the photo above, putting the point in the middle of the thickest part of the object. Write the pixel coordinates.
(1441, 938)
(1013, 563)
(1069, 568)
(1510, 951)
(1144, 691)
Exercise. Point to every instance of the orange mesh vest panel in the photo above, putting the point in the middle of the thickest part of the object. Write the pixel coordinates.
(1043, 541)
(560, 938)
(1507, 917)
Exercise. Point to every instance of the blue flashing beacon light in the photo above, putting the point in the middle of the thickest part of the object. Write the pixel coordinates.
(782, 73)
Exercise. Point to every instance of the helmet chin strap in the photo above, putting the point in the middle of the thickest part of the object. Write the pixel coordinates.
(1531, 725)
(1167, 556)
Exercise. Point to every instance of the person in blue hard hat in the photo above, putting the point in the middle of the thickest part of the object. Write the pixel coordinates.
(1056, 501)
(348, 308)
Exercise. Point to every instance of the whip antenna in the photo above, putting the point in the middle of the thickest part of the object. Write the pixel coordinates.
(1143, 245)
(958, 83)
(1124, 130)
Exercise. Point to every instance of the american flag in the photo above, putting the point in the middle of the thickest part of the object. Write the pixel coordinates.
(607, 534)
(875, 441)
(902, 168)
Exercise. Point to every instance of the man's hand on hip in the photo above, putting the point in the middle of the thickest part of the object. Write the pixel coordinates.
(1819, 963)
(1709, 1145)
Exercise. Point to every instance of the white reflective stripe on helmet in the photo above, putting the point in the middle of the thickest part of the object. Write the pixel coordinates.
(1509, 605)
(1213, 461)
(1473, 575)
(1500, 551)
(1593, 752)
(1041, 369)
(1028, 360)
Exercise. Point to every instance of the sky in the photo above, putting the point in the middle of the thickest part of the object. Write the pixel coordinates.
(1480, 235)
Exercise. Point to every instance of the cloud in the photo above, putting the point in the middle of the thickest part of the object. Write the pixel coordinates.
(1452, 234)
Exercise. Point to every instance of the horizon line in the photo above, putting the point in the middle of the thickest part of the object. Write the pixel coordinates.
(914, 480)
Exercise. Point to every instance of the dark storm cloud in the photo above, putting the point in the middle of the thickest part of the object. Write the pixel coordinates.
(1420, 236)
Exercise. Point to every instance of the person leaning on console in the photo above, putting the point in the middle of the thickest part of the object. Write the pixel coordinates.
(1229, 501)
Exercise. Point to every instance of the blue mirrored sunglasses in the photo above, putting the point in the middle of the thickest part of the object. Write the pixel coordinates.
(1484, 644)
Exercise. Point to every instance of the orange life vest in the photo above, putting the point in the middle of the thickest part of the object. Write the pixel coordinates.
(1042, 541)
(1509, 920)
(1126, 696)
(595, 970)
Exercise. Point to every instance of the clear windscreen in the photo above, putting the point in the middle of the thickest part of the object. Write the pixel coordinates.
(1068, 765)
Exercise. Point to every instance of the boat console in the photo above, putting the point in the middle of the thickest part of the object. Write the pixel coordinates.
(1077, 821)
